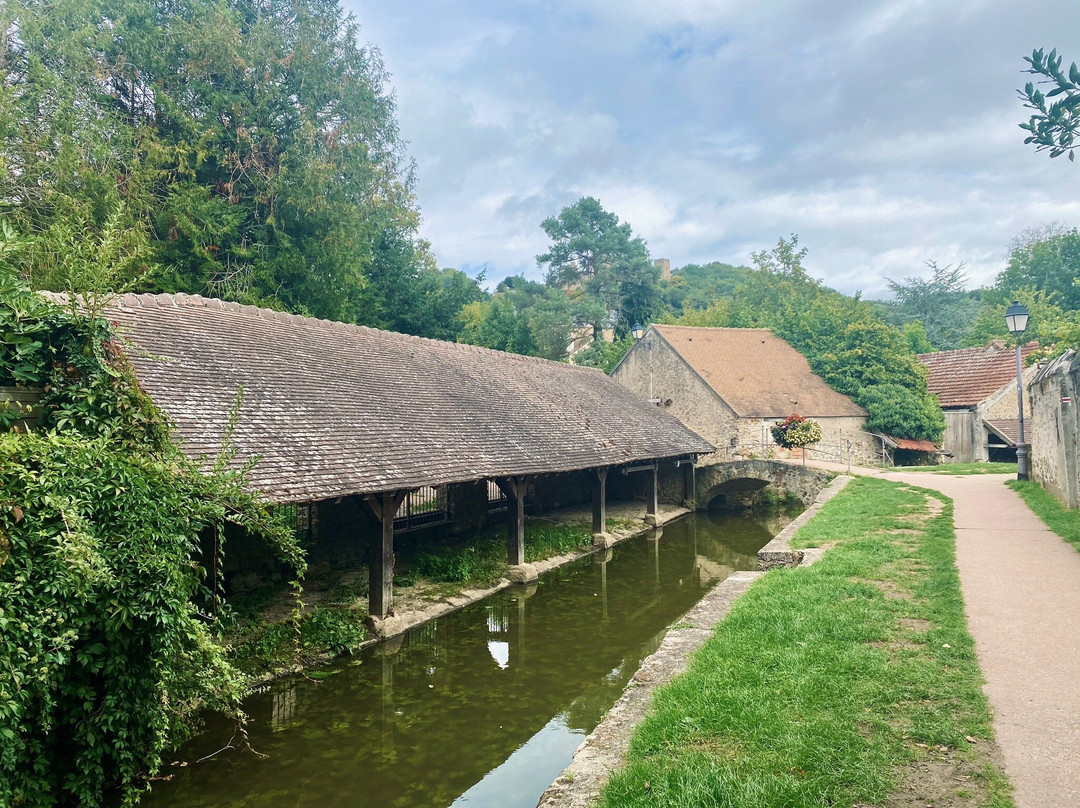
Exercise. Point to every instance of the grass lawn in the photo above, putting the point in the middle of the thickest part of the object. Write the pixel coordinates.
(964, 468)
(1057, 517)
(843, 684)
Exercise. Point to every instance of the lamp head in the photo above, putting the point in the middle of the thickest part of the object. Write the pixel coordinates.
(1016, 318)
(637, 330)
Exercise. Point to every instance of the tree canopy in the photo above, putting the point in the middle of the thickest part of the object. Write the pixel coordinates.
(940, 303)
(604, 266)
(247, 150)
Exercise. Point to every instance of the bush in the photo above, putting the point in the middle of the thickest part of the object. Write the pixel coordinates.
(107, 639)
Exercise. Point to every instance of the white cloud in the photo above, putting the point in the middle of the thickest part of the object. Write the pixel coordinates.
(884, 133)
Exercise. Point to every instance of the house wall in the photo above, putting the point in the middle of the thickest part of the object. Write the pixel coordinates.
(682, 393)
(1055, 431)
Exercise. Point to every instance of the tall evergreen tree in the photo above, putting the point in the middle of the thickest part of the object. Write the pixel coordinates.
(246, 148)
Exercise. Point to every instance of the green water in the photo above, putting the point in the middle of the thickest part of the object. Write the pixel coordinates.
(483, 707)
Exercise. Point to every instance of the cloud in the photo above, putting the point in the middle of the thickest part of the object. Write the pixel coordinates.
(884, 133)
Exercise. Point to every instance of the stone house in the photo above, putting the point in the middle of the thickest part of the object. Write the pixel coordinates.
(732, 384)
(1055, 428)
(977, 391)
(372, 435)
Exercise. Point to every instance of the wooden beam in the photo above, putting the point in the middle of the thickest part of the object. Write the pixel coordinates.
(514, 488)
(599, 502)
(651, 503)
(381, 553)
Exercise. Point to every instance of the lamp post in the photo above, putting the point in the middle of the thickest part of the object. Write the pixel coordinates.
(1016, 318)
(637, 329)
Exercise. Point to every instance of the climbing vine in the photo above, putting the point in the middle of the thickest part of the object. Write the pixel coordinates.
(108, 640)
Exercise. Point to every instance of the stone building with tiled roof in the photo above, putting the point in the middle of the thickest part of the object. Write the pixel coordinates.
(357, 418)
(977, 391)
(732, 384)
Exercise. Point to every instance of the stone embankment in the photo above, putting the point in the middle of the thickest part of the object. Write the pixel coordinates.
(606, 747)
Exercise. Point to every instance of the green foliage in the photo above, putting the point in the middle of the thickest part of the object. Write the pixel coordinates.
(1047, 260)
(604, 265)
(604, 355)
(697, 286)
(105, 637)
(248, 151)
(939, 303)
(795, 431)
(1053, 124)
(522, 317)
(897, 410)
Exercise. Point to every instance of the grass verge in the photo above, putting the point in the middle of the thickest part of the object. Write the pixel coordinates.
(1057, 517)
(850, 682)
(963, 468)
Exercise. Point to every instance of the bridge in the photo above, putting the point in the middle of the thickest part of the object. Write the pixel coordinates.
(742, 483)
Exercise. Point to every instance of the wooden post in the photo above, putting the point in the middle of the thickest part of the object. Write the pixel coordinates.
(599, 502)
(514, 488)
(651, 503)
(381, 555)
(689, 494)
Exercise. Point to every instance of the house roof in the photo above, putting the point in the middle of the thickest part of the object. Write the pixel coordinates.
(757, 373)
(965, 377)
(331, 409)
(1008, 429)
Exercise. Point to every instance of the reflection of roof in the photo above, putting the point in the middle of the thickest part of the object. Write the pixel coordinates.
(331, 409)
(965, 377)
(1008, 429)
(757, 373)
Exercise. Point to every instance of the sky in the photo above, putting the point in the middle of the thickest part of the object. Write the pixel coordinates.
(883, 132)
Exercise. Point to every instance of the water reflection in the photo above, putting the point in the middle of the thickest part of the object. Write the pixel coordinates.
(482, 707)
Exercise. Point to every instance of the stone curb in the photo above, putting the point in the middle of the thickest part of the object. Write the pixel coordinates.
(778, 552)
(605, 749)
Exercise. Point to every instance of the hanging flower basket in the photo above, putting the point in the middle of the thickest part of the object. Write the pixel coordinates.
(796, 432)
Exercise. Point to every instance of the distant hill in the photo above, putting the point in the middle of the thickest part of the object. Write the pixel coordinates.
(697, 286)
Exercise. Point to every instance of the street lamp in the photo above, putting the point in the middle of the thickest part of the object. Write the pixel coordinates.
(1016, 318)
(637, 329)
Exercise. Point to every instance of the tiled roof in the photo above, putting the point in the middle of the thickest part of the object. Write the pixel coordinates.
(1008, 429)
(965, 377)
(917, 445)
(333, 409)
(757, 373)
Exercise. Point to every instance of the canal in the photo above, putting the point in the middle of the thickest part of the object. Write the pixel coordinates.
(482, 707)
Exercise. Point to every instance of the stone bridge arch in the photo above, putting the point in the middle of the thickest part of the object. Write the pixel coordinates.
(742, 483)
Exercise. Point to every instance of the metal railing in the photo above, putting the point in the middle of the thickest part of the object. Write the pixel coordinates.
(422, 507)
(496, 499)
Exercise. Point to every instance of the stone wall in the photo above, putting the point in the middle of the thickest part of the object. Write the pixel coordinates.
(1055, 428)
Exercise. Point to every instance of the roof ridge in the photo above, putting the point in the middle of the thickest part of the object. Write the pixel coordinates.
(181, 299)
(710, 327)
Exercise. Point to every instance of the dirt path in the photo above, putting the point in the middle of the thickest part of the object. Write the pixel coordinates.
(1021, 586)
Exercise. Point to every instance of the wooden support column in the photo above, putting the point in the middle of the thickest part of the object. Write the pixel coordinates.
(514, 488)
(651, 503)
(381, 555)
(689, 484)
(599, 503)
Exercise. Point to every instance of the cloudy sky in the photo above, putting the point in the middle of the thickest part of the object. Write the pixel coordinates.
(883, 132)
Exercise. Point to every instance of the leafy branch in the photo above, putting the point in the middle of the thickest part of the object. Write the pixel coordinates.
(1054, 124)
